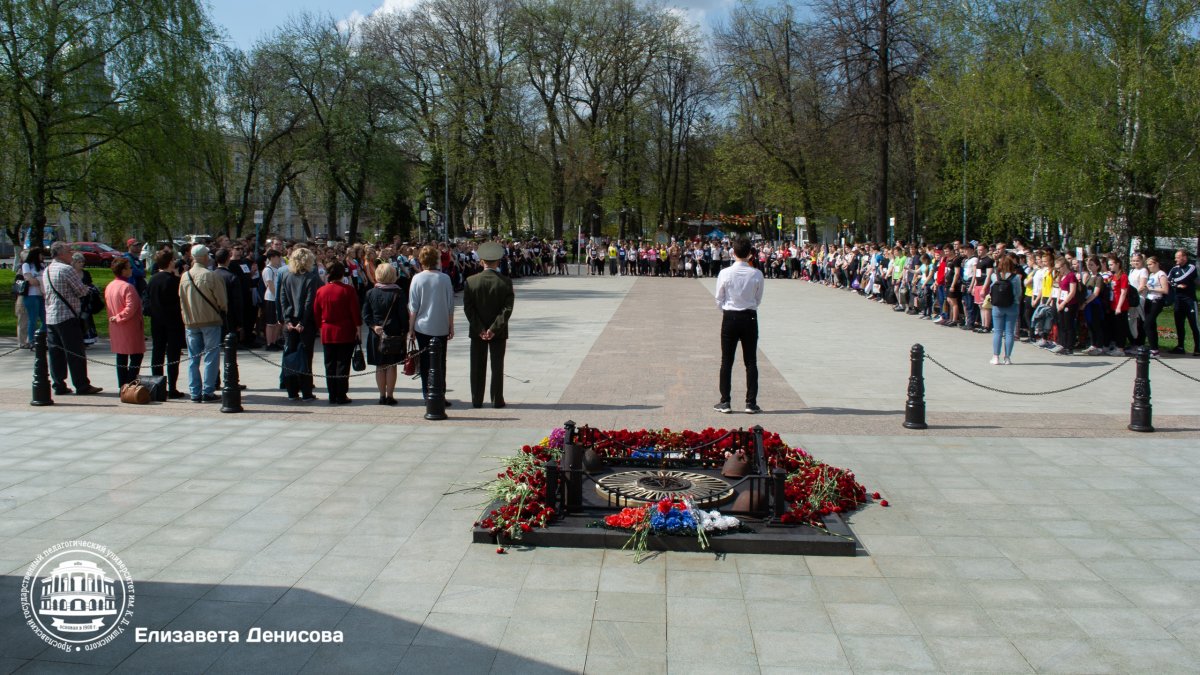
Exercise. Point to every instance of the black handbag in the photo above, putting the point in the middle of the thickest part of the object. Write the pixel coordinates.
(390, 345)
(20, 287)
(157, 384)
(357, 361)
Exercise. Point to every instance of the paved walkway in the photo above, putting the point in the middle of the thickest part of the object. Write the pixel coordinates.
(1011, 553)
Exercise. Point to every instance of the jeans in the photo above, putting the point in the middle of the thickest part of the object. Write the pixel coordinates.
(943, 309)
(739, 328)
(1097, 323)
(198, 341)
(35, 313)
(1004, 328)
(128, 366)
(969, 310)
(1185, 309)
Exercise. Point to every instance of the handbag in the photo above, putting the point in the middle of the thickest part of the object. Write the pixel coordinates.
(410, 361)
(389, 345)
(135, 393)
(357, 361)
(20, 287)
(157, 385)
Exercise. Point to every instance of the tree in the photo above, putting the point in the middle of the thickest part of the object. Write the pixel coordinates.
(78, 70)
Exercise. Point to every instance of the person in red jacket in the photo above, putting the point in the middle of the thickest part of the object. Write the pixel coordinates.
(338, 317)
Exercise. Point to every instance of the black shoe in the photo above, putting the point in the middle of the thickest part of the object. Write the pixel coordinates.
(498, 404)
(391, 400)
(308, 397)
(210, 398)
(242, 387)
(63, 392)
(175, 394)
(723, 407)
(88, 390)
(448, 403)
(383, 400)
(752, 409)
(1177, 350)
(273, 348)
(476, 405)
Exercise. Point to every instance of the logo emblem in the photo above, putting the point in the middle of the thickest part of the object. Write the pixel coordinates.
(77, 595)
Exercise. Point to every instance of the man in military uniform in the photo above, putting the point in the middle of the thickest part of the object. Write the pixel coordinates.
(488, 302)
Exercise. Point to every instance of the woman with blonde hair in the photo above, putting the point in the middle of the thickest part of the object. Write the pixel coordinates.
(431, 315)
(385, 313)
(297, 293)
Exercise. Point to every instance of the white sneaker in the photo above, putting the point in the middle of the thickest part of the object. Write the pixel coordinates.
(995, 360)
(1007, 361)
(938, 320)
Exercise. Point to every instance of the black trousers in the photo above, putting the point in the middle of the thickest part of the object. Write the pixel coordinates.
(1067, 328)
(740, 328)
(439, 385)
(298, 385)
(165, 347)
(480, 352)
(337, 369)
(67, 336)
(1185, 310)
(128, 366)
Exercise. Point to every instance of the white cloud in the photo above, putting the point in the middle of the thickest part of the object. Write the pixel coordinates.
(702, 12)
(395, 6)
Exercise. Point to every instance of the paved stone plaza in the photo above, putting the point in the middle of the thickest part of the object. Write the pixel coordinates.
(1024, 534)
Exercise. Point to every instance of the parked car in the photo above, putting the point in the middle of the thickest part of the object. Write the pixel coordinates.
(94, 253)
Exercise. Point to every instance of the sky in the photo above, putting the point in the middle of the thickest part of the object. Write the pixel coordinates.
(249, 20)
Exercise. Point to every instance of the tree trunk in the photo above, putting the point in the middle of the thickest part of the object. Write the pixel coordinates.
(331, 211)
(303, 212)
(885, 110)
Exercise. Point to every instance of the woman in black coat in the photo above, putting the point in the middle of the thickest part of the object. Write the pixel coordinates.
(166, 321)
(385, 312)
(297, 292)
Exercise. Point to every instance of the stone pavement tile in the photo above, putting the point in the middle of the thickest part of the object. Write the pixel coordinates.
(991, 594)
(1117, 623)
(977, 654)
(548, 605)
(1060, 655)
(904, 567)
(897, 545)
(699, 562)
(815, 652)
(476, 600)
(325, 591)
(294, 565)
(571, 557)
(851, 590)
(772, 564)
(778, 587)
(1158, 593)
(264, 657)
(630, 640)
(887, 653)
(931, 592)
(250, 588)
(821, 566)
(449, 630)
(359, 567)
(701, 611)
(616, 665)
(416, 570)
(984, 568)
(399, 598)
(562, 578)
(631, 607)
(1112, 570)
(1034, 622)
(507, 571)
(543, 637)
(454, 658)
(713, 647)
(1083, 594)
(1161, 656)
(868, 619)
(952, 620)
(1055, 569)
(623, 576)
(8, 665)
(703, 584)
(369, 545)
(368, 626)
(58, 668)
(355, 658)
(541, 664)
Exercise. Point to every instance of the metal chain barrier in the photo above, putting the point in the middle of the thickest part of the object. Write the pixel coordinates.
(12, 351)
(98, 362)
(1106, 373)
(1171, 368)
(316, 375)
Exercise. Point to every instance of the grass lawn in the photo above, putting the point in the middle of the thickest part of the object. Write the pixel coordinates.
(8, 318)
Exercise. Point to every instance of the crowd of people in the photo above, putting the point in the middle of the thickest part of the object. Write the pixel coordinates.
(291, 295)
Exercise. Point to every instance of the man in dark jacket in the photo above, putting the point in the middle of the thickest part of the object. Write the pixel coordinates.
(488, 303)
(166, 321)
(233, 290)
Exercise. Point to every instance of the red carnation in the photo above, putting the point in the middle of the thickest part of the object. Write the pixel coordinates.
(874, 495)
(883, 503)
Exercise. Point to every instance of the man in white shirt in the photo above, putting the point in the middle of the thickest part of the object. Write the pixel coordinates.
(739, 292)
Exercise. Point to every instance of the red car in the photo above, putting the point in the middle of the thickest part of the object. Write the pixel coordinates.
(94, 253)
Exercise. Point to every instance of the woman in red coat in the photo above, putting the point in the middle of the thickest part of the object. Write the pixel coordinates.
(338, 317)
(126, 330)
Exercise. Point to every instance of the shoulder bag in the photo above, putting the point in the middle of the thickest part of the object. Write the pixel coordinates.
(389, 345)
(203, 295)
(60, 296)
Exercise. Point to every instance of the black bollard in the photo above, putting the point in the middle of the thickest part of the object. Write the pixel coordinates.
(758, 463)
(914, 408)
(231, 391)
(779, 495)
(1140, 411)
(569, 429)
(435, 394)
(573, 465)
(41, 370)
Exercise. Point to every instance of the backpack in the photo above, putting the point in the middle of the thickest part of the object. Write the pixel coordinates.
(1002, 292)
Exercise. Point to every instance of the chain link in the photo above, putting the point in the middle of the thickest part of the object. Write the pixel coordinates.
(98, 362)
(12, 351)
(1171, 368)
(1110, 371)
